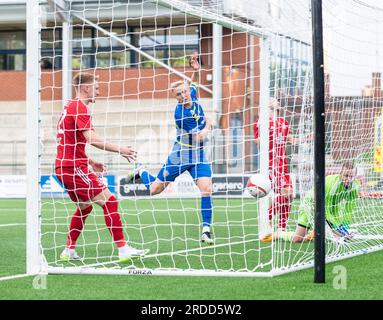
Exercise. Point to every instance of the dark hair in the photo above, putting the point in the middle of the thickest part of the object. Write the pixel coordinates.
(348, 164)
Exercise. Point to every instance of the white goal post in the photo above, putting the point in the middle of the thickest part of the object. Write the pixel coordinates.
(251, 54)
(34, 255)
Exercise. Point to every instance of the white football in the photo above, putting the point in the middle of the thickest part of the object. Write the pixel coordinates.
(258, 185)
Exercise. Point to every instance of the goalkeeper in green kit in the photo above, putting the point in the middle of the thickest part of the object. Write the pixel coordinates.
(341, 194)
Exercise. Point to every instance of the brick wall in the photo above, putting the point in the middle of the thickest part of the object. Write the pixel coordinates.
(13, 84)
(116, 83)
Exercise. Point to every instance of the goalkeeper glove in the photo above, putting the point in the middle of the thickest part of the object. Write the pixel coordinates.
(344, 232)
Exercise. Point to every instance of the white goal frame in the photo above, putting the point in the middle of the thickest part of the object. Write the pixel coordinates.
(35, 259)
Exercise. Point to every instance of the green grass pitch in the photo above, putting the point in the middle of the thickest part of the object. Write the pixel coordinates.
(168, 226)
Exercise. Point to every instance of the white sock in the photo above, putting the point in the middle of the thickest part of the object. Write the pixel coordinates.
(123, 250)
(205, 229)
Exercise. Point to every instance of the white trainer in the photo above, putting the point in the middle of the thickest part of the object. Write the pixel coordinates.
(69, 255)
(127, 252)
(207, 238)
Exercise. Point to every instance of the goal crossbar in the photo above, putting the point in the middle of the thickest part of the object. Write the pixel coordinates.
(214, 18)
(127, 44)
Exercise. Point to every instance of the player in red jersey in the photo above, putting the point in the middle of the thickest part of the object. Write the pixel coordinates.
(279, 136)
(74, 131)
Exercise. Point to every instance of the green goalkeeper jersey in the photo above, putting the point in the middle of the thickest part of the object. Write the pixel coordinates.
(340, 203)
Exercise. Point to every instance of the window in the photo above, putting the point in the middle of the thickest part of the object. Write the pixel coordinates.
(109, 52)
(51, 48)
(142, 61)
(51, 38)
(181, 36)
(119, 59)
(180, 58)
(82, 61)
(12, 50)
(10, 40)
(172, 46)
(93, 49)
(289, 62)
(12, 62)
(82, 38)
(104, 41)
(150, 37)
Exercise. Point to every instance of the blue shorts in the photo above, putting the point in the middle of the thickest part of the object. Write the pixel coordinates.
(181, 160)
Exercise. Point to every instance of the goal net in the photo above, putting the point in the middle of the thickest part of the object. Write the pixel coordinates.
(255, 76)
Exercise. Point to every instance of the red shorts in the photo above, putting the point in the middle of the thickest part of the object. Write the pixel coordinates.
(280, 180)
(81, 184)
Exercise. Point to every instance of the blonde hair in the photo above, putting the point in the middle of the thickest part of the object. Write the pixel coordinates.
(83, 78)
(176, 84)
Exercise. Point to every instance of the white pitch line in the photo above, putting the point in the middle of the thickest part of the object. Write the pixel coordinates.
(15, 276)
(12, 225)
(172, 253)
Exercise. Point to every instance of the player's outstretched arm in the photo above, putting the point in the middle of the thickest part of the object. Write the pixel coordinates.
(297, 236)
(194, 63)
(95, 140)
(202, 135)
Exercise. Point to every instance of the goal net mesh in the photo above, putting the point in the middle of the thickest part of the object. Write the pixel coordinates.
(137, 49)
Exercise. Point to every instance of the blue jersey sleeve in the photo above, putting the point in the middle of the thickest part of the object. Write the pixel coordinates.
(193, 92)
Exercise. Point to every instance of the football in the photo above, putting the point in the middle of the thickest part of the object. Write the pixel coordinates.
(258, 185)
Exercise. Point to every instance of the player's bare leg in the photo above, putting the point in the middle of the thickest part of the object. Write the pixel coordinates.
(102, 197)
(157, 187)
(154, 185)
(205, 186)
(300, 234)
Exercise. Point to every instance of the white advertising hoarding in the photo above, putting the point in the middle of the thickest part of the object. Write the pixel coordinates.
(13, 186)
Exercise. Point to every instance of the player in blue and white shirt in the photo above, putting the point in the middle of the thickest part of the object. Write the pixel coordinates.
(188, 152)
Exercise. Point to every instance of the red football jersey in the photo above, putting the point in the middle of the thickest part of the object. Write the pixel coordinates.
(74, 119)
(278, 133)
